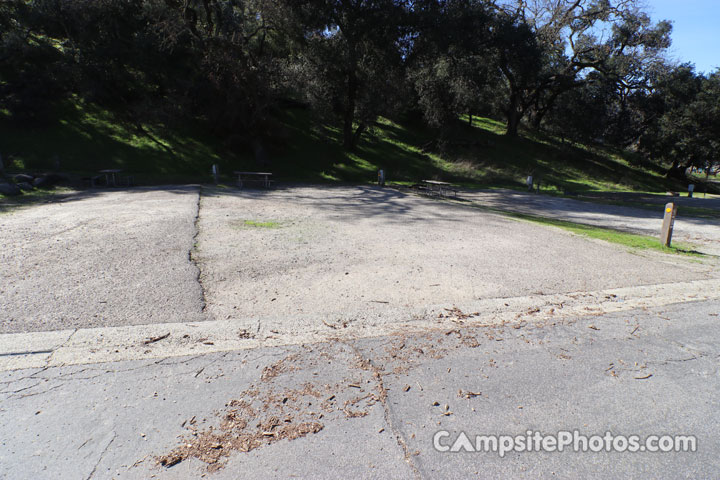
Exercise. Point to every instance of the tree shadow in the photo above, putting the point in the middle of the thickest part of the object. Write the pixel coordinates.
(351, 203)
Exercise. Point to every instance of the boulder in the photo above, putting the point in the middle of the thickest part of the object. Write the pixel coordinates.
(25, 186)
(22, 178)
(9, 189)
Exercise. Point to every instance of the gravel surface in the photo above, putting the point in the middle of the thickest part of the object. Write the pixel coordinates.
(346, 254)
(304, 256)
(100, 259)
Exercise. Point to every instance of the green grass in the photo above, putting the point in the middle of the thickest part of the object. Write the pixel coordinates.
(475, 156)
(260, 224)
(88, 138)
(630, 240)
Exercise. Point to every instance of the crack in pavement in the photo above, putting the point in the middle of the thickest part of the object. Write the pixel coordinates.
(382, 398)
(13, 392)
(49, 358)
(193, 252)
(50, 389)
(102, 454)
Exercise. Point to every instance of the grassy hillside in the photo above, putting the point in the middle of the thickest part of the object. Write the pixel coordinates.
(89, 139)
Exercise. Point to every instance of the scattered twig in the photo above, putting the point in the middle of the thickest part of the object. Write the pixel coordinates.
(329, 325)
(462, 393)
(156, 339)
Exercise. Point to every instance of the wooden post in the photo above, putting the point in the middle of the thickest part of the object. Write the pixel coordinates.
(667, 226)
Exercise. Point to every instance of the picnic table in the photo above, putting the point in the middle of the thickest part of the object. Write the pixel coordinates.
(110, 176)
(263, 177)
(442, 189)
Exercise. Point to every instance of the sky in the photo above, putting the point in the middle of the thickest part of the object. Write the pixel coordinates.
(696, 30)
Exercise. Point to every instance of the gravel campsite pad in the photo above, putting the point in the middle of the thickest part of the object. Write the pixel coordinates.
(289, 259)
(306, 256)
(100, 259)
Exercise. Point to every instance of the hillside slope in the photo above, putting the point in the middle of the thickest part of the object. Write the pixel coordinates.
(88, 139)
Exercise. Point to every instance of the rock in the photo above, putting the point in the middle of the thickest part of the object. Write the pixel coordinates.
(25, 186)
(48, 181)
(22, 178)
(40, 182)
(9, 189)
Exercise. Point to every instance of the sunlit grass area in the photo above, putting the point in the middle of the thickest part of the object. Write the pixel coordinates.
(630, 240)
(88, 139)
(262, 224)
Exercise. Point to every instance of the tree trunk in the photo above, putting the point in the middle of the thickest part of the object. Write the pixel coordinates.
(358, 133)
(677, 171)
(537, 120)
(261, 157)
(513, 116)
(348, 137)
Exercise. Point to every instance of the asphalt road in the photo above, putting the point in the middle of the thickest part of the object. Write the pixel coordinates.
(370, 407)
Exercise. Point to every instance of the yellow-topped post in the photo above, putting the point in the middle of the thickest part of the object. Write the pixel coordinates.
(668, 222)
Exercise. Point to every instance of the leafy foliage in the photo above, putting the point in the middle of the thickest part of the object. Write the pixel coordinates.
(583, 69)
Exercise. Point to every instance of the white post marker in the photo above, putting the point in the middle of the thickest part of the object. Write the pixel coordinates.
(529, 182)
(381, 178)
(668, 222)
(216, 173)
(691, 189)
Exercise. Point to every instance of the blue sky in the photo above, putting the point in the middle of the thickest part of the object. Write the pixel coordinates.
(696, 30)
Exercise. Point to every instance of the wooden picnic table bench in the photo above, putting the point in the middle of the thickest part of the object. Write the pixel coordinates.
(112, 179)
(263, 177)
(442, 189)
(110, 176)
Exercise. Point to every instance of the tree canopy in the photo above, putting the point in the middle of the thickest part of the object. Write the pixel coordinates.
(587, 69)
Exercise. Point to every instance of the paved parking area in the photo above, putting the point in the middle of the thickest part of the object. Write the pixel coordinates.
(103, 258)
(364, 254)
